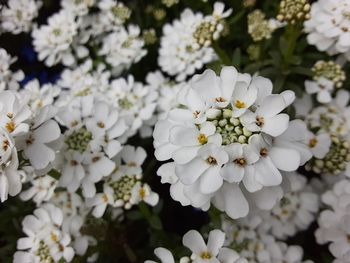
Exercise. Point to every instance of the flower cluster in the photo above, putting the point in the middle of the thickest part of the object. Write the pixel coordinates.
(115, 115)
(334, 221)
(228, 141)
(213, 251)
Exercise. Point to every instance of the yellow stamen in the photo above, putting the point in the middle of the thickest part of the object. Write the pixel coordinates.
(240, 104)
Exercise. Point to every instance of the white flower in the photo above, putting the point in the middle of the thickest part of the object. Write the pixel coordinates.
(296, 210)
(8, 79)
(77, 7)
(143, 193)
(113, 14)
(257, 246)
(92, 139)
(45, 238)
(123, 188)
(39, 97)
(52, 41)
(228, 136)
(333, 117)
(177, 55)
(323, 87)
(166, 89)
(212, 252)
(17, 16)
(41, 187)
(164, 255)
(136, 103)
(319, 144)
(334, 222)
(13, 113)
(10, 178)
(123, 47)
(329, 26)
(36, 143)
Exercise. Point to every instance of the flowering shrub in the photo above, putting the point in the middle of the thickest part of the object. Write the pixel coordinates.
(175, 131)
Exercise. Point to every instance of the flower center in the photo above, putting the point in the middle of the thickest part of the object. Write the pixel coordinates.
(10, 126)
(239, 104)
(336, 159)
(43, 253)
(79, 140)
(202, 139)
(206, 255)
(240, 162)
(264, 152)
(312, 142)
(125, 104)
(230, 128)
(211, 160)
(259, 121)
(123, 187)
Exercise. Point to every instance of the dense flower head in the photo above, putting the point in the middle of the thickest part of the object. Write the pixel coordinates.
(329, 26)
(334, 221)
(185, 44)
(226, 141)
(52, 41)
(18, 15)
(245, 237)
(329, 70)
(293, 11)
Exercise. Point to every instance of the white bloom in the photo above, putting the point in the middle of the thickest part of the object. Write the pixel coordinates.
(8, 79)
(45, 238)
(323, 87)
(18, 15)
(52, 41)
(228, 136)
(92, 139)
(329, 26)
(296, 210)
(42, 188)
(77, 7)
(143, 193)
(256, 245)
(113, 14)
(13, 113)
(319, 144)
(39, 96)
(122, 48)
(36, 144)
(123, 188)
(10, 178)
(177, 55)
(212, 252)
(334, 222)
(136, 103)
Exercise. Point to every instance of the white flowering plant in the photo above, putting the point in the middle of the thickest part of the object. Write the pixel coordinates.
(188, 131)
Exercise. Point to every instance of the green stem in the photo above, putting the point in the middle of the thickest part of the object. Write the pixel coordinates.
(292, 34)
(221, 54)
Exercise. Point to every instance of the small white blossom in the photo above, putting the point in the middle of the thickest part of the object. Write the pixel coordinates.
(18, 15)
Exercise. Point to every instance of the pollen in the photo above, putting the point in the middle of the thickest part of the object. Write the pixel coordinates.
(5, 145)
(313, 142)
(202, 139)
(264, 152)
(10, 126)
(206, 255)
(239, 104)
(241, 162)
(211, 160)
(142, 193)
(54, 237)
(259, 121)
(101, 124)
(105, 198)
